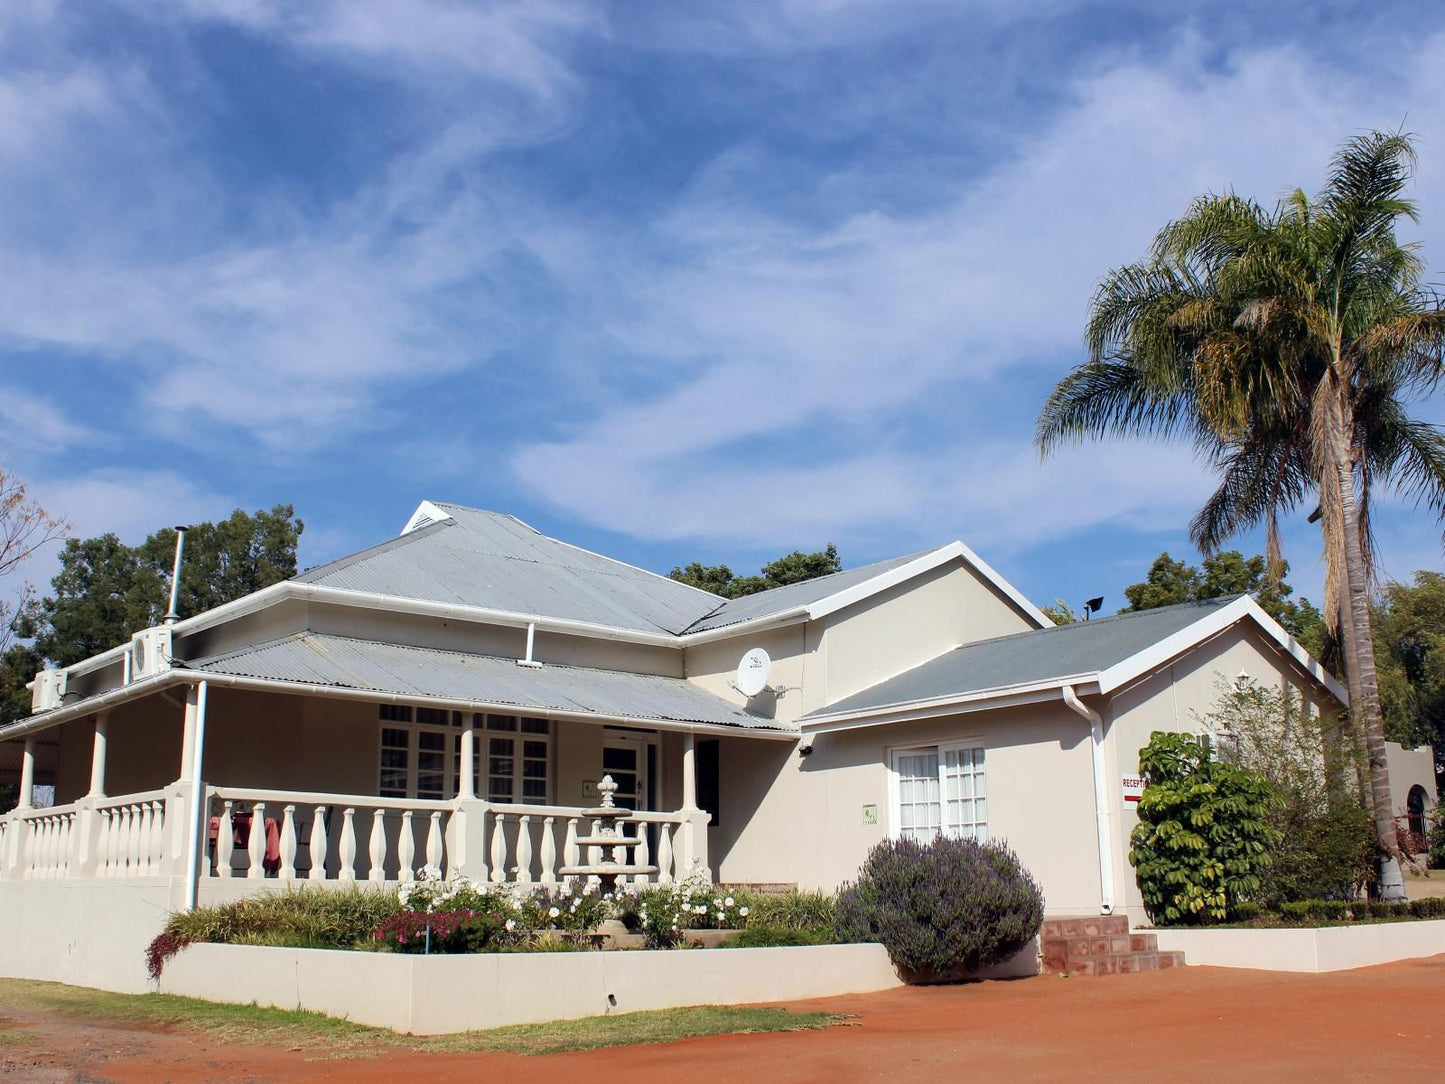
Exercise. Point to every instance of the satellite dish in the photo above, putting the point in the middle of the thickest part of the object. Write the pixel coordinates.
(754, 669)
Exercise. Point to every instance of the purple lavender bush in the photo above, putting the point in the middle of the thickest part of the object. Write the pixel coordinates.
(941, 907)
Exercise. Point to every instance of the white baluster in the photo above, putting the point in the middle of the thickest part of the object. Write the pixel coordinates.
(664, 854)
(256, 843)
(347, 846)
(435, 855)
(158, 836)
(143, 848)
(549, 853)
(288, 843)
(524, 850)
(405, 848)
(377, 851)
(499, 848)
(131, 841)
(318, 844)
(571, 856)
(640, 854)
(225, 839)
(102, 845)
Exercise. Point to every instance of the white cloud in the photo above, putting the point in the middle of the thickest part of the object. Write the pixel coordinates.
(765, 328)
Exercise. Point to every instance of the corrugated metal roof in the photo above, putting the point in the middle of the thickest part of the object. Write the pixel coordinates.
(1064, 651)
(486, 559)
(343, 662)
(778, 599)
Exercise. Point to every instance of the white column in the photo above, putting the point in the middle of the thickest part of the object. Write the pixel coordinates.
(189, 725)
(27, 776)
(97, 756)
(195, 744)
(689, 772)
(468, 766)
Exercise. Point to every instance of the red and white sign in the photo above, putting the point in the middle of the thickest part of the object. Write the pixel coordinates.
(1133, 787)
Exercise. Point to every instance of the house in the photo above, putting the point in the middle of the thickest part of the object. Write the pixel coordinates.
(452, 697)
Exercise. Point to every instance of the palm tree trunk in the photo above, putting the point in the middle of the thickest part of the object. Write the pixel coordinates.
(1357, 639)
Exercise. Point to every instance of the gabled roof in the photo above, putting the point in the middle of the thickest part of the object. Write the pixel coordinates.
(494, 561)
(416, 673)
(1105, 654)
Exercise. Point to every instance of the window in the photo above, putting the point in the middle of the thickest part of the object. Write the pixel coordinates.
(940, 789)
(422, 759)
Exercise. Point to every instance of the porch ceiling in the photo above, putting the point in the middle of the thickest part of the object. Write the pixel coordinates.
(310, 658)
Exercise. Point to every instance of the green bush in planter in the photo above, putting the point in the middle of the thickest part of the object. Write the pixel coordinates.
(943, 905)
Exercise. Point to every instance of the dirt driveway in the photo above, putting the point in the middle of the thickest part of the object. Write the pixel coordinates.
(1187, 1024)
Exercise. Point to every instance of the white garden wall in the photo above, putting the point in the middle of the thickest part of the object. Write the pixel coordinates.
(1330, 948)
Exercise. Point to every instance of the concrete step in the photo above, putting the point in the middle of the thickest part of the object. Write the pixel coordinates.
(1102, 946)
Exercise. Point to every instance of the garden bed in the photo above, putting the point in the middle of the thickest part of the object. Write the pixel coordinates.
(1310, 949)
(432, 995)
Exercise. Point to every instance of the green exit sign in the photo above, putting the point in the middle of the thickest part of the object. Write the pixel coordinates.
(870, 814)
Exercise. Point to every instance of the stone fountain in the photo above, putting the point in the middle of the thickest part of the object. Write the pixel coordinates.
(604, 833)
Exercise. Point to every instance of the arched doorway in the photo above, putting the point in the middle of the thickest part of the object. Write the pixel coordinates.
(1415, 810)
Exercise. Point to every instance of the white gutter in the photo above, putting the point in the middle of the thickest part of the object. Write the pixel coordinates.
(1101, 798)
(50, 719)
(1028, 692)
(198, 814)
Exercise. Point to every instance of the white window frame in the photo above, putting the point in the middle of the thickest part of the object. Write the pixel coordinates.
(942, 748)
(451, 773)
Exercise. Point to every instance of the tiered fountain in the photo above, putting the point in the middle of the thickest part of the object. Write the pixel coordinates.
(604, 833)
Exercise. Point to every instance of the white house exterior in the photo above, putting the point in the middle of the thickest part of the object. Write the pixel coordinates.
(452, 696)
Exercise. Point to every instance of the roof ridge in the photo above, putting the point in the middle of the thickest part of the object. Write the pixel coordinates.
(1127, 615)
(394, 542)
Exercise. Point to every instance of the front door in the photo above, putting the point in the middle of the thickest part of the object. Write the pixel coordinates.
(628, 759)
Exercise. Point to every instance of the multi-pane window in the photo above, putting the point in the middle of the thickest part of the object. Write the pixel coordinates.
(941, 789)
(422, 759)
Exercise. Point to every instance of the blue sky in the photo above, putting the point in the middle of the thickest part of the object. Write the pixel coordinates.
(669, 281)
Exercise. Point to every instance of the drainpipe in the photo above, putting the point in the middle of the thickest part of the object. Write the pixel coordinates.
(193, 833)
(1101, 798)
(531, 641)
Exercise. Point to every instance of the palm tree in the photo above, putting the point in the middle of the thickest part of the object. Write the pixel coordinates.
(1284, 345)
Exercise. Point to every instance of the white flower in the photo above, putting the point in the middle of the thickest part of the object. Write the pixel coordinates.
(511, 924)
(728, 902)
(553, 912)
(743, 911)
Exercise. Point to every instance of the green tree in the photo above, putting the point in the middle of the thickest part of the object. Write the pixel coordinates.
(1285, 345)
(1410, 647)
(106, 590)
(1324, 845)
(794, 567)
(1170, 582)
(1203, 837)
(1060, 612)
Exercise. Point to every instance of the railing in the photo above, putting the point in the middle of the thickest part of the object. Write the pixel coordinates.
(131, 835)
(253, 834)
(294, 835)
(45, 841)
(525, 843)
(313, 836)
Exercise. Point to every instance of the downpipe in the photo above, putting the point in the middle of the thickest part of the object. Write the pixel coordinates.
(1101, 798)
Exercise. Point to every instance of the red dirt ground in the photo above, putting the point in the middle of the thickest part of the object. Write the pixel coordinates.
(1187, 1024)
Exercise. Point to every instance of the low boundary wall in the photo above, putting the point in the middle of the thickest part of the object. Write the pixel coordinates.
(431, 995)
(1325, 948)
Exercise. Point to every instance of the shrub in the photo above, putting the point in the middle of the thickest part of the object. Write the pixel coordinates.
(937, 906)
(1324, 846)
(441, 932)
(309, 917)
(778, 937)
(1431, 907)
(1436, 837)
(789, 910)
(661, 913)
(1202, 838)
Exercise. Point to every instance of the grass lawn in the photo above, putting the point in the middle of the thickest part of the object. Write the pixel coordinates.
(299, 1029)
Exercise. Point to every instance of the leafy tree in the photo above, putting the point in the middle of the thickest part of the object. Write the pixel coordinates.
(1325, 845)
(106, 590)
(794, 567)
(1410, 645)
(1285, 345)
(1203, 838)
(1170, 582)
(1060, 612)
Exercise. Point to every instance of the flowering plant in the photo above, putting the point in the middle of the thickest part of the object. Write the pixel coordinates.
(661, 913)
(525, 910)
(441, 931)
